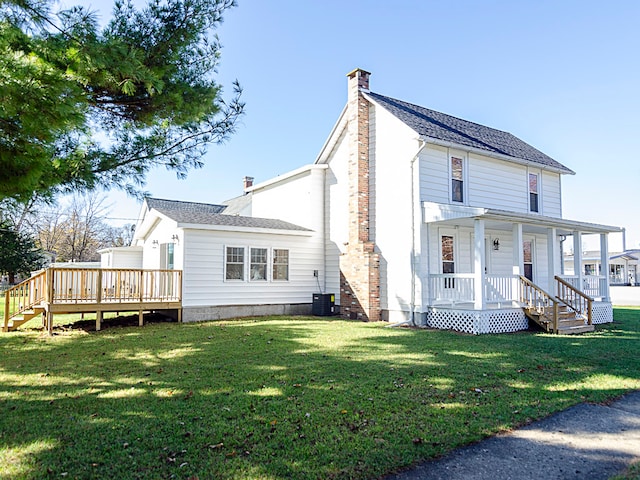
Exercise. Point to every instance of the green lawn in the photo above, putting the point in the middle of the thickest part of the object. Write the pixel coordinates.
(285, 397)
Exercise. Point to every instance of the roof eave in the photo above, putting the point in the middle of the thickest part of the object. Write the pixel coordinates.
(236, 228)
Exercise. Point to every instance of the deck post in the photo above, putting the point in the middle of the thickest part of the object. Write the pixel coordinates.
(98, 320)
(50, 322)
(5, 328)
(179, 315)
(141, 318)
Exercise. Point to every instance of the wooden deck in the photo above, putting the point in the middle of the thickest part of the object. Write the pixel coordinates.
(92, 290)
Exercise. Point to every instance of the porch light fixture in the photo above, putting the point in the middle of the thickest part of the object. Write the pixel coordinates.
(154, 244)
(496, 244)
(175, 237)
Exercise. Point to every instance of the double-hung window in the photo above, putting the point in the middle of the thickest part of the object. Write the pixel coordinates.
(258, 266)
(457, 180)
(533, 193)
(280, 264)
(234, 264)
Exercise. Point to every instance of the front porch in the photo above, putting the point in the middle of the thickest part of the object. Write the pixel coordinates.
(498, 269)
(93, 290)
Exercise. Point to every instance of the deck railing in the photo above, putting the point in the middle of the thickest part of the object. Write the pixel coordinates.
(575, 299)
(115, 285)
(92, 287)
(20, 298)
(536, 299)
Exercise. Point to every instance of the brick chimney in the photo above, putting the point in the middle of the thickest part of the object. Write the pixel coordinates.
(360, 264)
(247, 182)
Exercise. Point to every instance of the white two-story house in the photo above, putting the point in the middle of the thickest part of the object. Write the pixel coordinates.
(407, 215)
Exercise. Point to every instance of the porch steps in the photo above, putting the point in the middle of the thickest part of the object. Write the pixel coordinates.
(569, 323)
(24, 317)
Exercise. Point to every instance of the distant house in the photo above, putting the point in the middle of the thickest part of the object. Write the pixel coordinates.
(406, 215)
(623, 266)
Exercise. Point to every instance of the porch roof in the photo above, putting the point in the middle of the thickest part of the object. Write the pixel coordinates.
(502, 220)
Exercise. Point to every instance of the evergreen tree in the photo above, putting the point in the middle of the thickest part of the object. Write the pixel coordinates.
(83, 106)
(18, 253)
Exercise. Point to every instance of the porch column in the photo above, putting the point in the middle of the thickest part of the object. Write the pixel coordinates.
(604, 261)
(518, 254)
(577, 259)
(479, 264)
(552, 259)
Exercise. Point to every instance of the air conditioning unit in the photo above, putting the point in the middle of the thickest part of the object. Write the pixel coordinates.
(324, 304)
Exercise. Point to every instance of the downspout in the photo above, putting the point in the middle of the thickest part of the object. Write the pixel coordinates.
(423, 144)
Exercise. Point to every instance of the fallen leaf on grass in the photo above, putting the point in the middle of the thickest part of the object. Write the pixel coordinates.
(216, 446)
(417, 441)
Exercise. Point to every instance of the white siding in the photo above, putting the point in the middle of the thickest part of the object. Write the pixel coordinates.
(394, 149)
(122, 257)
(300, 200)
(297, 200)
(336, 212)
(434, 174)
(162, 233)
(489, 183)
(203, 275)
(497, 184)
(551, 194)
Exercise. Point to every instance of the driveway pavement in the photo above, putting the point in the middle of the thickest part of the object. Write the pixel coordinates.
(584, 442)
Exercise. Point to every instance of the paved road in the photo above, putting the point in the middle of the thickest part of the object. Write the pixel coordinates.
(584, 442)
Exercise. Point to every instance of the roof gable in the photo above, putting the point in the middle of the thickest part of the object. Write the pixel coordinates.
(440, 126)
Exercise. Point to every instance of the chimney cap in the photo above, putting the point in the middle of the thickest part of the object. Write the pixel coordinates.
(356, 70)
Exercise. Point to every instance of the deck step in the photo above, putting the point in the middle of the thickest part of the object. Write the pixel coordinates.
(575, 329)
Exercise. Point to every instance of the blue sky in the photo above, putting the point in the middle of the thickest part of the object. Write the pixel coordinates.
(562, 75)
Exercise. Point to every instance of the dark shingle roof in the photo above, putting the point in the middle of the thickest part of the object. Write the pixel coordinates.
(176, 205)
(208, 214)
(430, 123)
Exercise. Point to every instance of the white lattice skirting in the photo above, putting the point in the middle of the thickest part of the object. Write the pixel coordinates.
(477, 322)
(601, 312)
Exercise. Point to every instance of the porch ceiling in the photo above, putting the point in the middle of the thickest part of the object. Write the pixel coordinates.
(503, 220)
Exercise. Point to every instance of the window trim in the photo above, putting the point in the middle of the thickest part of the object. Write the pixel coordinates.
(273, 265)
(538, 194)
(464, 182)
(244, 264)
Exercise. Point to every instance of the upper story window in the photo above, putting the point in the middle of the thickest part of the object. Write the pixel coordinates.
(258, 266)
(234, 265)
(533, 193)
(457, 180)
(280, 264)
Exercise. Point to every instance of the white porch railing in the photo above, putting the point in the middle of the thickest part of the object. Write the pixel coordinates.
(594, 286)
(451, 287)
(459, 288)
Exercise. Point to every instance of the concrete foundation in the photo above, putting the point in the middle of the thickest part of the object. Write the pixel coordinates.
(203, 314)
